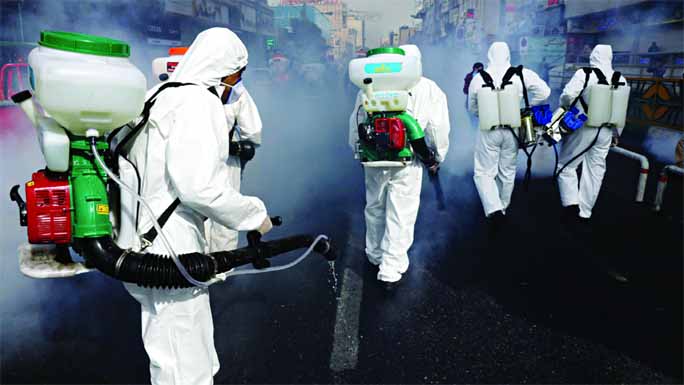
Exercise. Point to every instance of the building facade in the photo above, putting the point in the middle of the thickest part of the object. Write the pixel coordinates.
(285, 13)
(346, 30)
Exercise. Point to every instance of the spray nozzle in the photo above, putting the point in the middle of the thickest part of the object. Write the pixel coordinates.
(23, 99)
(368, 82)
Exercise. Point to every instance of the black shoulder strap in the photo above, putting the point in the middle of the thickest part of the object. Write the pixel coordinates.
(601, 77)
(145, 116)
(615, 80)
(152, 234)
(512, 71)
(487, 78)
(522, 80)
(579, 98)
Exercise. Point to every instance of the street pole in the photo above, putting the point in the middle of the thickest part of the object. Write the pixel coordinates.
(502, 19)
(363, 32)
(21, 23)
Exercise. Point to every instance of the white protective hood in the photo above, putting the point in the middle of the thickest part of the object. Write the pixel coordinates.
(499, 56)
(215, 54)
(602, 58)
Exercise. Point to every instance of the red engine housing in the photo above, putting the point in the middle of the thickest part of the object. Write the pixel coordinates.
(395, 130)
(48, 209)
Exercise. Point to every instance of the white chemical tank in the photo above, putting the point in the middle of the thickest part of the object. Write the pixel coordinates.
(85, 81)
(607, 105)
(389, 68)
(163, 67)
(498, 107)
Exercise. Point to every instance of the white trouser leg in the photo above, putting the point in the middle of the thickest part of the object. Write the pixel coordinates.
(403, 201)
(178, 334)
(508, 158)
(593, 170)
(571, 146)
(487, 152)
(376, 180)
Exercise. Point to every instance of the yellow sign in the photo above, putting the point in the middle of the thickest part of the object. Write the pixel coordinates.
(102, 209)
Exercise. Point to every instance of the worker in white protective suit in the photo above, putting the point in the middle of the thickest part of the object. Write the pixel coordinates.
(182, 153)
(393, 194)
(496, 151)
(578, 199)
(244, 129)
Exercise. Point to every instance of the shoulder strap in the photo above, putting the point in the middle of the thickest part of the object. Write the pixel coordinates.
(145, 116)
(510, 72)
(601, 77)
(579, 98)
(615, 80)
(152, 234)
(487, 78)
(507, 80)
(587, 74)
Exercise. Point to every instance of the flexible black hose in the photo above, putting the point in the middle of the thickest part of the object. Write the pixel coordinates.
(158, 271)
(557, 174)
(528, 170)
(425, 154)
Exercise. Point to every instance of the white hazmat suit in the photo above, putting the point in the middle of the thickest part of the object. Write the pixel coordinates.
(244, 120)
(182, 153)
(593, 161)
(393, 194)
(496, 151)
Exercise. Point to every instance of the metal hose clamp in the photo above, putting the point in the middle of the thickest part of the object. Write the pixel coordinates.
(213, 260)
(120, 261)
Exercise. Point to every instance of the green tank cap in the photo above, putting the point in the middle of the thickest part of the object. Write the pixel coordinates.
(386, 50)
(82, 43)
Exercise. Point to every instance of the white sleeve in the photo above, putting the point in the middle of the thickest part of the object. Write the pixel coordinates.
(537, 89)
(248, 119)
(353, 125)
(572, 89)
(198, 174)
(438, 126)
(475, 85)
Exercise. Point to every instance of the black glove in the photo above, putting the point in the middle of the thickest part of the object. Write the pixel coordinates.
(434, 169)
(243, 149)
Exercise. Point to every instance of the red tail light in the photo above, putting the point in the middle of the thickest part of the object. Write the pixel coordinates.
(48, 209)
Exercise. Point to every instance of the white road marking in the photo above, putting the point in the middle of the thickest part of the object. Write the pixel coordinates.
(345, 351)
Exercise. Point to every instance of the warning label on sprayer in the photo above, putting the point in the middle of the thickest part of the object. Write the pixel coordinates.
(102, 209)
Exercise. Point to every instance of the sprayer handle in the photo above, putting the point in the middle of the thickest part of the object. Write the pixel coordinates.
(16, 197)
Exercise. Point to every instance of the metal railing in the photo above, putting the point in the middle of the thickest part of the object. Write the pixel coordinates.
(13, 78)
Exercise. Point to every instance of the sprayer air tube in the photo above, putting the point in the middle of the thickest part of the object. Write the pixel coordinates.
(421, 149)
(159, 271)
